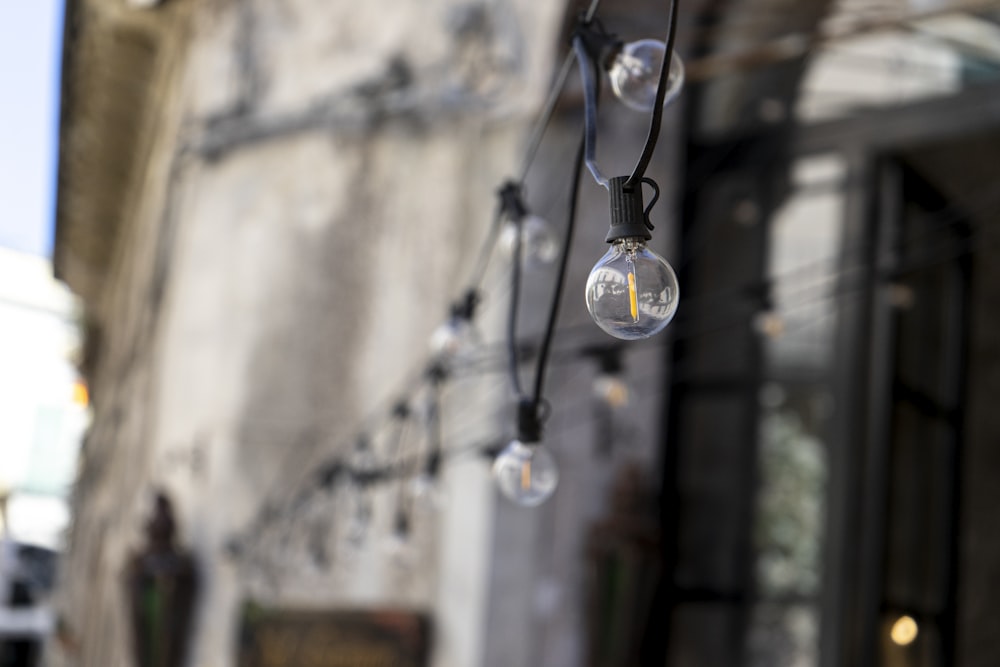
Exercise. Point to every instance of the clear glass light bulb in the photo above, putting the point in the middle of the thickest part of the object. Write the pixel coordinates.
(455, 339)
(635, 74)
(357, 528)
(539, 246)
(526, 473)
(769, 323)
(632, 292)
(398, 547)
(612, 390)
(398, 544)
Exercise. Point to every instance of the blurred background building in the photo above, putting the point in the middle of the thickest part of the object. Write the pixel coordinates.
(43, 415)
(43, 400)
(266, 209)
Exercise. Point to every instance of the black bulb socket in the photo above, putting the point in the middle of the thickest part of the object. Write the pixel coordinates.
(436, 374)
(601, 46)
(628, 220)
(529, 425)
(512, 201)
(432, 467)
(465, 308)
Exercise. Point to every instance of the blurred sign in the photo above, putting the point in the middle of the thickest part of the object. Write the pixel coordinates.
(281, 638)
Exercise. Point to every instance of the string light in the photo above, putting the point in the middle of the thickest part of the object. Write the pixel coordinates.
(425, 487)
(626, 74)
(768, 321)
(398, 544)
(539, 246)
(245, 546)
(525, 471)
(608, 384)
(632, 68)
(456, 338)
(536, 476)
(632, 291)
(534, 465)
(364, 463)
(357, 527)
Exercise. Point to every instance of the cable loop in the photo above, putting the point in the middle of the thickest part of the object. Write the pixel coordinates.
(590, 98)
(656, 196)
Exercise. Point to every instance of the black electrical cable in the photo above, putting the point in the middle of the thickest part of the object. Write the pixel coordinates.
(591, 95)
(543, 353)
(656, 119)
(270, 514)
(535, 142)
(435, 429)
(985, 205)
(489, 244)
(486, 251)
(368, 477)
(550, 104)
(643, 160)
(515, 301)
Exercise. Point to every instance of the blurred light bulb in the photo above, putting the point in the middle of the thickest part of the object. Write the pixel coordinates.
(632, 292)
(398, 544)
(901, 296)
(904, 631)
(635, 74)
(526, 473)
(357, 528)
(769, 323)
(455, 339)
(611, 389)
(539, 246)
(81, 396)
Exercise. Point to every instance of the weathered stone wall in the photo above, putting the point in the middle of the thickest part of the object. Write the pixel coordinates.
(320, 178)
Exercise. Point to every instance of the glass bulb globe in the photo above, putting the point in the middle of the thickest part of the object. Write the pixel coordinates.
(455, 339)
(357, 528)
(635, 74)
(526, 473)
(539, 246)
(398, 544)
(632, 292)
(612, 390)
(769, 323)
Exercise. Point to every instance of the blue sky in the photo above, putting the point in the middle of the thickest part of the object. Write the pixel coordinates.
(30, 55)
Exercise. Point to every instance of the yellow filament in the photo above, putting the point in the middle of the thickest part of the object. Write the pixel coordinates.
(633, 300)
(526, 475)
